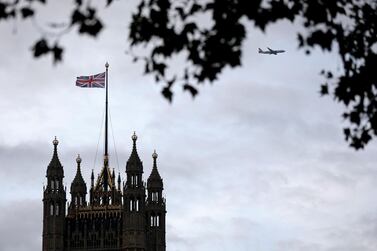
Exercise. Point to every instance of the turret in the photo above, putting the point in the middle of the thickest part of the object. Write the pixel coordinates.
(134, 203)
(154, 183)
(54, 200)
(78, 188)
(134, 167)
(155, 210)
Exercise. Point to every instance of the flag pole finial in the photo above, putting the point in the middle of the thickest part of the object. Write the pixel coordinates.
(107, 65)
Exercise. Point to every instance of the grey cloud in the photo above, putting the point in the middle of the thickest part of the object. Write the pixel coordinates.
(20, 227)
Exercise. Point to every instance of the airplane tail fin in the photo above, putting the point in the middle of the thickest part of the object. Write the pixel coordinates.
(259, 50)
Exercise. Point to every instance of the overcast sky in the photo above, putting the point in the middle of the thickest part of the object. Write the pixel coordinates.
(257, 161)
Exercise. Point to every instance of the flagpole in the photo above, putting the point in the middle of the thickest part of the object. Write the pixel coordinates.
(106, 156)
(106, 116)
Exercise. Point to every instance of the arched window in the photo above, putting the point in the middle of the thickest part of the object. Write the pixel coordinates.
(157, 220)
(57, 185)
(131, 205)
(134, 180)
(137, 205)
(80, 200)
(52, 184)
(57, 209)
(154, 196)
(52, 209)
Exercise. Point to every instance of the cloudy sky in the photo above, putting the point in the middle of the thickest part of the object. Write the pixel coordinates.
(257, 161)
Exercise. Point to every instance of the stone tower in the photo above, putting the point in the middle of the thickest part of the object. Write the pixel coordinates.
(78, 188)
(155, 210)
(54, 200)
(134, 226)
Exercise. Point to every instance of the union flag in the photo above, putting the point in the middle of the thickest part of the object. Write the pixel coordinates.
(93, 81)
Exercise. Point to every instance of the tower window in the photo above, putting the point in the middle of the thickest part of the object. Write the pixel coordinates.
(137, 205)
(134, 181)
(57, 185)
(52, 185)
(154, 196)
(155, 220)
(51, 209)
(57, 210)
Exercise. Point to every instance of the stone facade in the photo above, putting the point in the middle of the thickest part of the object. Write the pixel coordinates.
(128, 216)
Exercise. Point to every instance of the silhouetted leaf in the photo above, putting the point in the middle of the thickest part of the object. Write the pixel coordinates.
(27, 12)
(171, 82)
(167, 94)
(108, 3)
(324, 89)
(355, 117)
(181, 12)
(160, 68)
(365, 137)
(329, 74)
(57, 53)
(3, 14)
(40, 48)
(195, 8)
(191, 89)
(347, 133)
(77, 17)
(189, 28)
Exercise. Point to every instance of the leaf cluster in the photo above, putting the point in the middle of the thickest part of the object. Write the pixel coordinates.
(83, 16)
(348, 27)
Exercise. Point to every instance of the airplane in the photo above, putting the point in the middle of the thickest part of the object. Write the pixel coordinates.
(270, 51)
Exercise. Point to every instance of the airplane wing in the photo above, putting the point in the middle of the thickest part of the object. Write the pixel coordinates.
(271, 50)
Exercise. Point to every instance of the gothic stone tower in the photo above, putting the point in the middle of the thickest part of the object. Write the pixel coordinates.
(54, 199)
(155, 210)
(134, 204)
(115, 218)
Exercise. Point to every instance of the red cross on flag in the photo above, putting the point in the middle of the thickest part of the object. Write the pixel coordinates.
(93, 81)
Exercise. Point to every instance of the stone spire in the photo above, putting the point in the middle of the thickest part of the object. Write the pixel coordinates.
(119, 181)
(92, 179)
(134, 163)
(154, 180)
(55, 168)
(78, 184)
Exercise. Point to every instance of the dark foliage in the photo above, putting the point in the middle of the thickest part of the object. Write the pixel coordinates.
(41, 48)
(173, 28)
